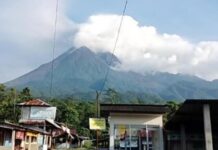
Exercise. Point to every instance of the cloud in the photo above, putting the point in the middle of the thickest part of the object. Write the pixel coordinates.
(27, 34)
(27, 37)
(143, 48)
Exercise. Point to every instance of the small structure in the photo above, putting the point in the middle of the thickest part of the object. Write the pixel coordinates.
(36, 113)
(17, 137)
(65, 138)
(194, 126)
(135, 127)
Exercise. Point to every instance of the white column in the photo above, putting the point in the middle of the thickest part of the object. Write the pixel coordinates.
(207, 127)
(161, 138)
(13, 139)
(183, 137)
(111, 136)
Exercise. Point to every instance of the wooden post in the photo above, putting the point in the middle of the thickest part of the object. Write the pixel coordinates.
(97, 139)
(97, 104)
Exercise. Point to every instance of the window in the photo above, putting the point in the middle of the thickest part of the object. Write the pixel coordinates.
(33, 139)
(27, 139)
(137, 137)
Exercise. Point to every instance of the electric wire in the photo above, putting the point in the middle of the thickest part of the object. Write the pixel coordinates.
(53, 49)
(114, 48)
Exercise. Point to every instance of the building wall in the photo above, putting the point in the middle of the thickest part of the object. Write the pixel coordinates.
(139, 119)
(5, 148)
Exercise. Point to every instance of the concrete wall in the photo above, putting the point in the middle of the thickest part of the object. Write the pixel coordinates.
(136, 119)
(5, 148)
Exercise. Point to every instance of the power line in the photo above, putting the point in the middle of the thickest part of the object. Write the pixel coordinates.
(53, 48)
(115, 46)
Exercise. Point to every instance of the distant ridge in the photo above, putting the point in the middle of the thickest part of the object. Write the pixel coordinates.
(80, 72)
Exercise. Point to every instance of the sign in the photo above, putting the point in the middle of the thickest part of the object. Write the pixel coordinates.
(32, 134)
(121, 129)
(97, 124)
(43, 113)
(20, 135)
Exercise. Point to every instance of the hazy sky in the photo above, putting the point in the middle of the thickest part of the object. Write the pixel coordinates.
(171, 36)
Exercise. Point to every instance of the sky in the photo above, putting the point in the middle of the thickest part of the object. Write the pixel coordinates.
(169, 36)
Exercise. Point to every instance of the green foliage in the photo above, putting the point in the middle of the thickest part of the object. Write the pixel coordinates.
(25, 94)
(173, 107)
(88, 144)
(8, 100)
(75, 114)
(137, 100)
(112, 96)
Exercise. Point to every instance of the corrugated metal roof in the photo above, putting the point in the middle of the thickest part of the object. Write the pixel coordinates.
(191, 112)
(53, 123)
(34, 102)
(106, 109)
(32, 122)
(12, 126)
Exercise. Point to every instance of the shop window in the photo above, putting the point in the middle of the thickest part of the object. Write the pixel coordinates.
(136, 137)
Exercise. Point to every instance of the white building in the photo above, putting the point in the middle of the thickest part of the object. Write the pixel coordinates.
(135, 127)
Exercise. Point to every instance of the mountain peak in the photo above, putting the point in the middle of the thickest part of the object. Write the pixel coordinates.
(80, 70)
(73, 49)
(109, 58)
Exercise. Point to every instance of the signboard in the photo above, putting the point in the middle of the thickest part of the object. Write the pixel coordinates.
(31, 134)
(20, 135)
(43, 113)
(97, 124)
(121, 129)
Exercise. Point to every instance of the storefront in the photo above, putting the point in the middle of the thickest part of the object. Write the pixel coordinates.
(194, 126)
(135, 127)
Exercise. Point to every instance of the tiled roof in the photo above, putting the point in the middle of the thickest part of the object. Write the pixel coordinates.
(34, 102)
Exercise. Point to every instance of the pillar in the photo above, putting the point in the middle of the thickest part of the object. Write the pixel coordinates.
(183, 137)
(13, 139)
(111, 144)
(207, 127)
(161, 138)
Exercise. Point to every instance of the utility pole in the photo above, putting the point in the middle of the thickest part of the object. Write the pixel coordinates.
(15, 97)
(97, 115)
(97, 104)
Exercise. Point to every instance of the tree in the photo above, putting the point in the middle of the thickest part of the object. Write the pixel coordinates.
(137, 100)
(112, 96)
(66, 112)
(25, 94)
(9, 97)
(75, 114)
(173, 107)
(7, 104)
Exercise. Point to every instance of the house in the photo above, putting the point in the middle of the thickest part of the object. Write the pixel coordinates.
(194, 126)
(134, 127)
(36, 113)
(17, 137)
